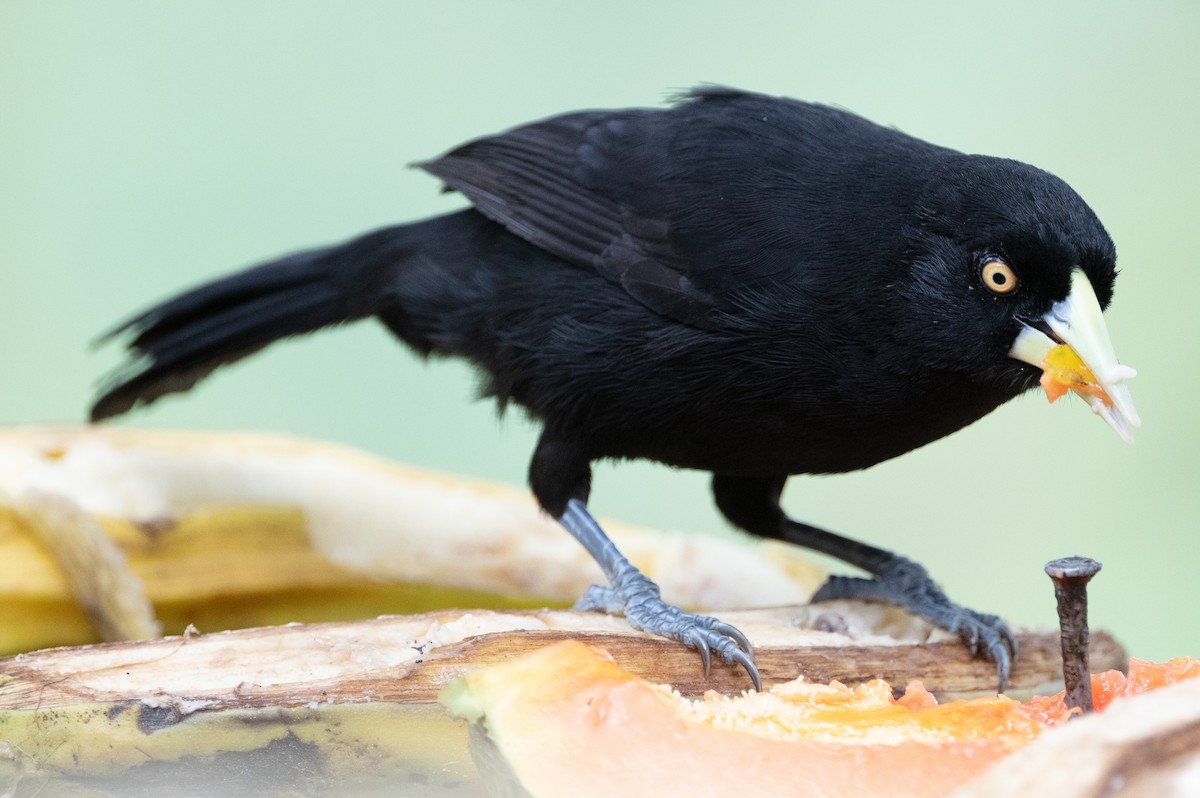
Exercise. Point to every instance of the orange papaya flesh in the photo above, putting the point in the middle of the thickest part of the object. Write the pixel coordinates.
(1063, 370)
(1109, 686)
(567, 720)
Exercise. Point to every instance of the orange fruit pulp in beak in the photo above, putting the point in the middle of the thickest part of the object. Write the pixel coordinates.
(1063, 371)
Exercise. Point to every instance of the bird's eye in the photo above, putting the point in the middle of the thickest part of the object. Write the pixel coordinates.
(998, 276)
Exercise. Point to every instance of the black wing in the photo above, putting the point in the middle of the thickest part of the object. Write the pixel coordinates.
(685, 205)
(577, 186)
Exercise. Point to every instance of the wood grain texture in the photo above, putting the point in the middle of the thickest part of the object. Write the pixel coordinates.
(411, 658)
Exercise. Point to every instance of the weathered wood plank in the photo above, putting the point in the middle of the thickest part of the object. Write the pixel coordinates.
(411, 658)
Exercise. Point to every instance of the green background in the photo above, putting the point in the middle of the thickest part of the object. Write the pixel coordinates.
(147, 146)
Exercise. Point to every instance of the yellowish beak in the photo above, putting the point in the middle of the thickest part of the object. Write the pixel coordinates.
(1071, 346)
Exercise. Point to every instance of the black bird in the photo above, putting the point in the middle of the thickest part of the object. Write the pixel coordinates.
(748, 285)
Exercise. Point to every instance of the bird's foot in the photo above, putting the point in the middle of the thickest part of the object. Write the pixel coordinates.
(637, 597)
(906, 584)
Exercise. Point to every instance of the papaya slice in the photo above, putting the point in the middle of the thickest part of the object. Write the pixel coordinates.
(567, 720)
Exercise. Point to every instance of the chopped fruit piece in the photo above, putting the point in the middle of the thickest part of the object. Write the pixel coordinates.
(1063, 371)
(567, 720)
(1143, 677)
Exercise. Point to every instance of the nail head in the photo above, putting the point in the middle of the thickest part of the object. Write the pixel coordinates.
(1072, 568)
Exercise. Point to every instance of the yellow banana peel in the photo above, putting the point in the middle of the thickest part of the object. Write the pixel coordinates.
(109, 534)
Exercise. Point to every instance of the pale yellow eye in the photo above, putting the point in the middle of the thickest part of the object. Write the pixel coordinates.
(999, 277)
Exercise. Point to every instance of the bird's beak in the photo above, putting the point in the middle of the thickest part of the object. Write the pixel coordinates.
(1071, 346)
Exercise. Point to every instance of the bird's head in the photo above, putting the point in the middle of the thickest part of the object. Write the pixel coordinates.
(1007, 275)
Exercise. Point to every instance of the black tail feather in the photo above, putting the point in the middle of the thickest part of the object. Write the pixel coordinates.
(181, 341)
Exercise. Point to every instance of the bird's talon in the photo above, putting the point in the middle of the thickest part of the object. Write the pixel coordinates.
(696, 640)
(737, 635)
(741, 658)
(1010, 640)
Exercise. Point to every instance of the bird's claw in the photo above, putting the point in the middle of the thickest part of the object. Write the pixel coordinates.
(645, 610)
(906, 584)
(984, 635)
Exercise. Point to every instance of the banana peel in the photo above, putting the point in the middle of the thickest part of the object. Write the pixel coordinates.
(112, 534)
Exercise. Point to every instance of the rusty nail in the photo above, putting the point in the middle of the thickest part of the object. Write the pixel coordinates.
(1070, 576)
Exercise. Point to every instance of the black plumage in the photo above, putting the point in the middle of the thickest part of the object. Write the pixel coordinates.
(747, 285)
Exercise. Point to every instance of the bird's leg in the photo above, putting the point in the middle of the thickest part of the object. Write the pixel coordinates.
(900, 581)
(633, 593)
(629, 591)
(753, 504)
